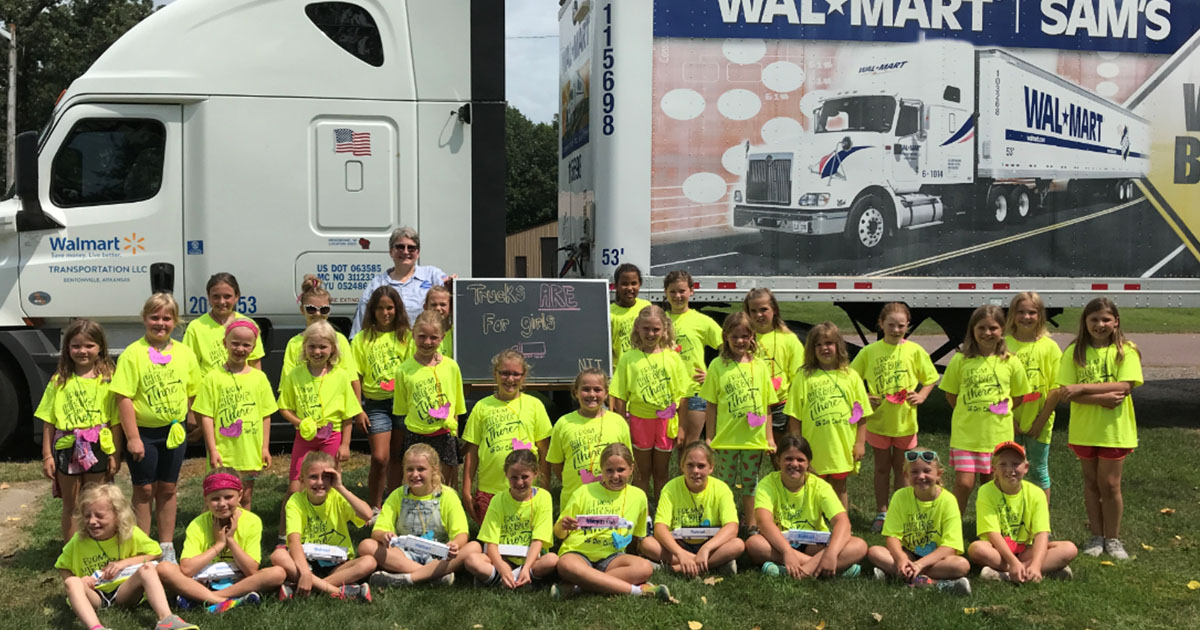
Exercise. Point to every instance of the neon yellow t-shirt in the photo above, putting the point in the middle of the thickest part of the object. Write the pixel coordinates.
(811, 507)
(293, 355)
(650, 383)
(620, 321)
(447, 345)
(1093, 425)
(1041, 359)
(824, 403)
(784, 354)
(450, 510)
(159, 391)
(512, 522)
(377, 356)
(597, 544)
(742, 393)
(80, 403)
(986, 388)
(693, 331)
(1017, 517)
(199, 537)
(680, 507)
(323, 524)
(888, 370)
(237, 403)
(923, 526)
(576, 442)
(206, 338)
(500, 427)
(429, 398)
(327, 400)
(83, 556)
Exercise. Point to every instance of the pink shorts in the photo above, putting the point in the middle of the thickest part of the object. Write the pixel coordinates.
(904, 442)
(835, 476)
(650, 433)
(970, 461)
(482, 501)
(302, 447)
(1102, 452)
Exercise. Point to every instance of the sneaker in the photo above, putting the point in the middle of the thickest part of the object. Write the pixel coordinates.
(174, 622)
(386, 578)
(729, 568)
(771, 569)
(286, 592)
(183, 603)
(961, 586)
(1064, 573)
(168, 552)
(657, 590)
(229, 604)
(446, 580)
(1114, 548)
(988, 573)
(374, 516)
(563, 591)
(1094, 547)
(852, 571)
(922, 581)
(880, 574)
(353, 591)
(877, 525)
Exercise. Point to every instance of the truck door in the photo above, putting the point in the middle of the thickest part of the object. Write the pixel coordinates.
(907, 152)
(112, 176)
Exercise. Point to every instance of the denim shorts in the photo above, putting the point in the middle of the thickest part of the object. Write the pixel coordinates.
(696, 403)
(160, 463)
(379, 415)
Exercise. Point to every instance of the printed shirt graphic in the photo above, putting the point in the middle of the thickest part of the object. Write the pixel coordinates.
(576, 442)
(1041, 359)
(327, 400)
(811, 507)
(650, 382)
(159, 392)
(986, 388)
(293, 355)
(499, 427)
(739, 390)
(693, 331)
(450, 514)
(206, 338)
(889, 369)
(421, 389)
(1093, 425)
(680, 507)
(378, 356)
(784, 354)
(199, 537)
(80, 403)
(594, 499)
(512, 522)
(323, 524)
(923, 526)
(83, 556)
(823, 402)
(237, 403)
(621, 323)
(1017, 518)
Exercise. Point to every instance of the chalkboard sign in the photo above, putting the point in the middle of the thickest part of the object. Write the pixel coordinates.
(561, 326)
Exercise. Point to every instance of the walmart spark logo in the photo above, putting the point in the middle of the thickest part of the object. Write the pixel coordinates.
(133, 244)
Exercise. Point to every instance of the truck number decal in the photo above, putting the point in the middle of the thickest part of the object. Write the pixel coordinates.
(198, 305)
(609, 99)
(611, 255)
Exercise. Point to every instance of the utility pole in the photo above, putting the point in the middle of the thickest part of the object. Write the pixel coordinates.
(10, 139)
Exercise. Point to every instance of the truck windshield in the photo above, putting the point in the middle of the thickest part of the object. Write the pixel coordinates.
(856, 113)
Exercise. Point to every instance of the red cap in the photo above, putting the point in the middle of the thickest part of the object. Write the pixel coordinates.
(1009, 445)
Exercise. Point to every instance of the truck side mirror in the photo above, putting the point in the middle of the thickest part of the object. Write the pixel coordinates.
(31, 216)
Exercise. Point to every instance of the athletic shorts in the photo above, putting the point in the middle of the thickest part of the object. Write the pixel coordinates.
(161, 464)
(302, 447)
(970, 461)
(62, 461)
(650, 433)
(602, 564)
(838, 476)
(739, 469)
(1102, 452)
(446, 444)
(379, 415)
(903, 443)
(482, 501)
(696, 403)
(779, 420)
(1038, 454)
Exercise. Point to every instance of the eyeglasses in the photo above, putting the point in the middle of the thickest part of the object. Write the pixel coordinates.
(510, 374)
(928, 456)
(401, 247)
(313, 310)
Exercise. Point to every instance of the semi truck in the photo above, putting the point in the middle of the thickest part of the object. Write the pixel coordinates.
(914, 135)
(268, 139)
(858, 152)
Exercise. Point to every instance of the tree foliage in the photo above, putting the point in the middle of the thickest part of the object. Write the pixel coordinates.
(532, 181)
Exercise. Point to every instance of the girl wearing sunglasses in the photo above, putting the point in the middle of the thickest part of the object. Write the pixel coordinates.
(314, 305)
(923, 530)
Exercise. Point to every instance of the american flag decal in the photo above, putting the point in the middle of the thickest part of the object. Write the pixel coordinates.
(352, 142)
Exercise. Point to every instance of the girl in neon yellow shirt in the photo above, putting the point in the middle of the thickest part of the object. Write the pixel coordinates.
(578, 438)
(206, 334)
(429, 394)
(777, 345)
(621, 313)
(1030, 340)
(440, 300)
(517, 528)
(791, 499)
(696, 500)
(693, 332)
(78, 416)
(314, 303)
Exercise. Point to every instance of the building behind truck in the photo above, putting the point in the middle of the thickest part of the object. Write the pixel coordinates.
(267, 139)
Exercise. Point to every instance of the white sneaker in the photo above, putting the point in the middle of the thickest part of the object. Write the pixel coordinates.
(880, 574)
(1114, 548)
(386, 578)
(988, 573)
(1094, 547)
(1064, 573)
(729, 568)
(961, 586)
(168, 552)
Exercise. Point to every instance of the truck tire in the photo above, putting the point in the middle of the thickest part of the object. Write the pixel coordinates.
(867, 225)
(9, 401)
(1020, 204)
(996, 211)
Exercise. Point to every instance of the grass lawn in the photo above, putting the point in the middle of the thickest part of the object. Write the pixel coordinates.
(1148, 592)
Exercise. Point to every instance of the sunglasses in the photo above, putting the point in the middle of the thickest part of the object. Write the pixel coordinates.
(400, 247)
(928, 456)
(313, 310)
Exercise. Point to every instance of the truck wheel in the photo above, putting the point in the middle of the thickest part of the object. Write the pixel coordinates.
(867, 227)
(1020, 204)
(996, 212)
(8, 400)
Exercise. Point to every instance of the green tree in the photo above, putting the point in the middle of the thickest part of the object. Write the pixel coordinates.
(531, 188)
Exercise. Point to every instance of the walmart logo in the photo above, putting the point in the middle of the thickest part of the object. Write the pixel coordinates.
(132, 244)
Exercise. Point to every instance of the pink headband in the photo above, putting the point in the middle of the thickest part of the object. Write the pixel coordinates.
(242, 323)
(221, 481)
